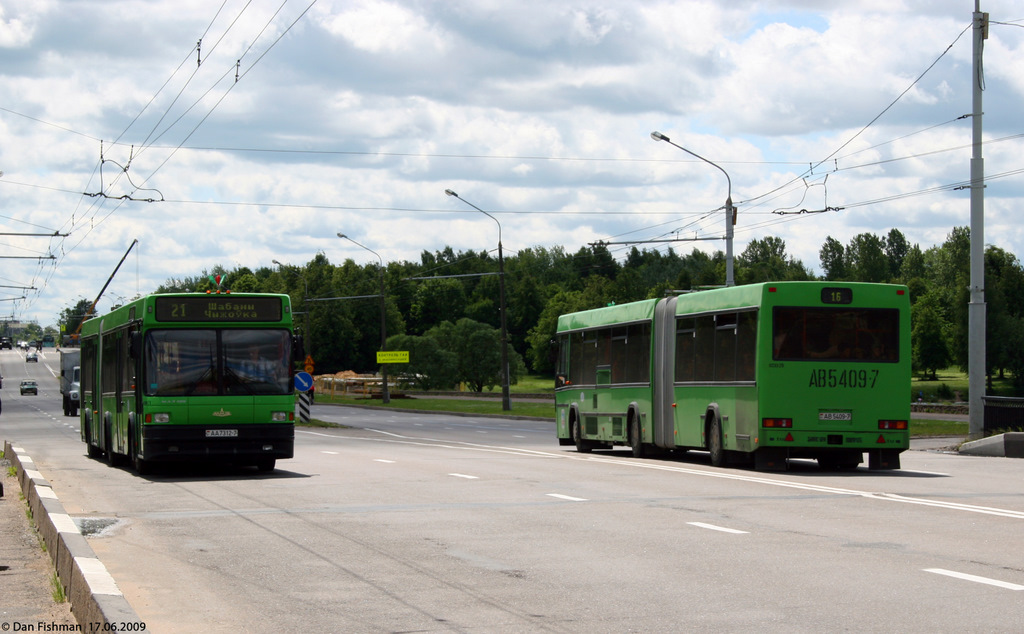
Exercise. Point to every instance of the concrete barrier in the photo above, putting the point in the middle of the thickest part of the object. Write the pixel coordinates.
(96, 601)
(1008, 445)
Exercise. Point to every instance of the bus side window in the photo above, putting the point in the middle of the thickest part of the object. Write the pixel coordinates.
(746, 346)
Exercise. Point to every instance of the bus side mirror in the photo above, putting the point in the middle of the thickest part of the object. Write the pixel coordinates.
(298, 350)
(135, 345)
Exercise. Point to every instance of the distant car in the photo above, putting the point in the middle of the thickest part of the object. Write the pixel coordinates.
(28, 386)
(1, 382)
(6, 342)
(31, 356)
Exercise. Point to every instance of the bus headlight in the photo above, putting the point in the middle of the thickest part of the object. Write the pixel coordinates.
(279, 417)
(159, 417)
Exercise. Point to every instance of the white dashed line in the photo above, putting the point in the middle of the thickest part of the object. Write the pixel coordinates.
(717, 528)
(976, 579)
(566, 497)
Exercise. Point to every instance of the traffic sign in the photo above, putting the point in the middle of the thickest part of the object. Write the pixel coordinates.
(303, 381)
(392, 356)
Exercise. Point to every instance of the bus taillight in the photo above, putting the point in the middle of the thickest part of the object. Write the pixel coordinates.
(892, 424)
(777, 423)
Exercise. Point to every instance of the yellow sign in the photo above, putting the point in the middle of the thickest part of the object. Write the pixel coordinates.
(392, 356)
(309, 368)
(309, 359)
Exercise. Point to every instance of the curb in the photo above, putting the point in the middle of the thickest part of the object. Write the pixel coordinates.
(1008, 445)
(96, 601)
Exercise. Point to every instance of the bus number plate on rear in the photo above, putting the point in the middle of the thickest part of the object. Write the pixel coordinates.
(221, 433)
(835, 416)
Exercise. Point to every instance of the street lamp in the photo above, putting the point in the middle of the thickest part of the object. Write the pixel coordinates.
(305, 299)
(385, 395)
(730, 211)
(506, 404)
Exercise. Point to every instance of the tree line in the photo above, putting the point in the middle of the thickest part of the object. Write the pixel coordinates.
(449, 322)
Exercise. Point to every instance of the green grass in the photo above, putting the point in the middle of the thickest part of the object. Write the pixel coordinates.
(465, 406)
(950, 381)
(938, 428)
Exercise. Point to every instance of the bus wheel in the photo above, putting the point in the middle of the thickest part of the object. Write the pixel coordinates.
(266, 464)
(582, 445)
(636, 441)
(90, 449)
(109, 444)
(715, 442)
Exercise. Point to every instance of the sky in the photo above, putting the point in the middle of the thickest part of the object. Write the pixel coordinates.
(237, 132)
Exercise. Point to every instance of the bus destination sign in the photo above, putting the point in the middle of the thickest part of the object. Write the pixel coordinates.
(218, 309)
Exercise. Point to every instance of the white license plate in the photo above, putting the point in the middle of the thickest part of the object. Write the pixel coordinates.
(835, 416)
(221, 433)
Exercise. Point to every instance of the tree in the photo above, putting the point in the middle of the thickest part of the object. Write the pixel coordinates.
(542, 346)
(833, 259)
(930, 352)
(430, 367)
(766, 260)
(866, 259)
(896, 249)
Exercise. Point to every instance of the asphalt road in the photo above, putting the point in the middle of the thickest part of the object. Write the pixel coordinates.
(416, 522)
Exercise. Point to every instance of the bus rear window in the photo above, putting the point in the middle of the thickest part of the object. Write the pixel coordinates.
(840, 334)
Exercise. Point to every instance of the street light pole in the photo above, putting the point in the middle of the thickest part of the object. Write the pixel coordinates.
(305, 300)
(385, 394)
(730, 211)
(506, 403)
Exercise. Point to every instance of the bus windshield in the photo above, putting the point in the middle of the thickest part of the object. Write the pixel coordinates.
(840, 334)
(237, 362)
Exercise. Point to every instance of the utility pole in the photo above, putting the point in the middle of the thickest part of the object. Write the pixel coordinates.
(976, 307)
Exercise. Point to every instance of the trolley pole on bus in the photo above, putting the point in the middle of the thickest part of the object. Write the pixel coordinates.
(506, 403)
(385, 395)
(730, 211)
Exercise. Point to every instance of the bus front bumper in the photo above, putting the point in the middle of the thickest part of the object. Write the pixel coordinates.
(228, 442)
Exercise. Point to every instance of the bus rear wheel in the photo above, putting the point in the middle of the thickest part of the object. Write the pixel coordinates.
(582, 445)
(636, 441)
(715, 445)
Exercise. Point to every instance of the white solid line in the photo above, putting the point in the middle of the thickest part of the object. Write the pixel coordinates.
(566, 497)
(717, 528)
(384, 461)
(976, 579)
(330, 453)
(462, 475)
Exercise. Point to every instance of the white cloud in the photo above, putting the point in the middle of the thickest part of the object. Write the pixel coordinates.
(360, 116)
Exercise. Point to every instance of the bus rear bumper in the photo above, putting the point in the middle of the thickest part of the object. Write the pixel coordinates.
(240, 443)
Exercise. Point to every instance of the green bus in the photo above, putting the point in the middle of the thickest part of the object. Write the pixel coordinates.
(190, 376)
(759, 373)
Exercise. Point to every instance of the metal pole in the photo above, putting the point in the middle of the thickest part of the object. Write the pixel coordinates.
(506, 401)
(976, 365)
(385, 394)
(730, 211)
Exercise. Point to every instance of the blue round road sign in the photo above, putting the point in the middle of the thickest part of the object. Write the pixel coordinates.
(303, 381)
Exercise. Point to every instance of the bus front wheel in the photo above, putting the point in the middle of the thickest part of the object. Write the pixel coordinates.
(715, 445)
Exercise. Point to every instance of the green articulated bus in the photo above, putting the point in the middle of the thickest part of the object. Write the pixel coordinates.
(761, 372)
(178, 377)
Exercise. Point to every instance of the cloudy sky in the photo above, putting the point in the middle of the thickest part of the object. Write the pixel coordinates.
(237, 132)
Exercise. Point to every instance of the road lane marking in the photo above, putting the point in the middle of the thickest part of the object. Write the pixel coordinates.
(565, 497)
(384, 461)
(330, 453)
(462, 475)
(976, 579)
(719, 474)
(717, 528)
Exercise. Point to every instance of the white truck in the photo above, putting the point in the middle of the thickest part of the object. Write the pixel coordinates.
(70, 379)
